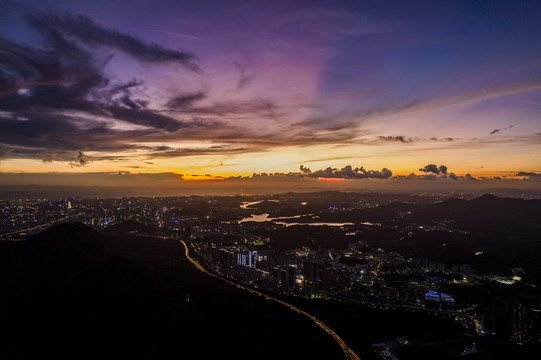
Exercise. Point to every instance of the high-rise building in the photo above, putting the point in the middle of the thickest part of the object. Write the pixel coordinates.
(247, 258)
(312, 272)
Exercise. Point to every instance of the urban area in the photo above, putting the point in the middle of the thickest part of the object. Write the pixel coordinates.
(319, 246)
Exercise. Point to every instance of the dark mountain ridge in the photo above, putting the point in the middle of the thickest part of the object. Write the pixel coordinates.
(493, 234)
(72, 292)
(487, 208)
(130, 227)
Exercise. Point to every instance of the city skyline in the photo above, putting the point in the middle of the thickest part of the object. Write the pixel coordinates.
(282, 95)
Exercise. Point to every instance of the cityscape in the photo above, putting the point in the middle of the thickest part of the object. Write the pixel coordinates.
(336, 247)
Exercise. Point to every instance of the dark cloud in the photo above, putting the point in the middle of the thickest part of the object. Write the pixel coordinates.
(259, 107)
(162, 148)
(291, 176)
(185, 100)
(430, 168)
(435, 172)
(447, 139)
(85, 29)
(347, 172)
(413, 176)
(434, 169)
(533, 176)
(80, 160)
(495, 131)
(55, 94)
(61, 134)
(436, 176)
(407, 139)
(169, 152)
(124, 87)
(395, 138)
(525, 173)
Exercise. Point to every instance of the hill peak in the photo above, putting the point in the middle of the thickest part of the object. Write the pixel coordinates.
(70, 228)
(487, 197)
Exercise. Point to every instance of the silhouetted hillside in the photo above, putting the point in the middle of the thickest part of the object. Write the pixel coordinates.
(71, 292)
(493, 234)
(487, 210)
(130, 227)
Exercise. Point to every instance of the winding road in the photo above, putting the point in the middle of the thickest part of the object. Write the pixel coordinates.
(349, 353)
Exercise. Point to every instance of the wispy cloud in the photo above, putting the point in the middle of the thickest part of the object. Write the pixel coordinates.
(498, 130)
(84, 29)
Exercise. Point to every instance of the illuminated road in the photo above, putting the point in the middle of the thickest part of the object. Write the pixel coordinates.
(41, 226)
(350, 354)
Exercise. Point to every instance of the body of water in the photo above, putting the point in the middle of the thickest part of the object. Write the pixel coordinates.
(265, 217)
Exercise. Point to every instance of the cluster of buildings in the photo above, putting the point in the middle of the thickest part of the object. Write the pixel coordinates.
(24, 217)
(366, 275)
(374, 277)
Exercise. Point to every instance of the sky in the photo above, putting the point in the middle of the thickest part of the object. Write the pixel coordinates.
(317, 93)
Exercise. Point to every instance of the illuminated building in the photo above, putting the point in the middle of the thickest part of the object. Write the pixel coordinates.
(247, 258)
(436, 300)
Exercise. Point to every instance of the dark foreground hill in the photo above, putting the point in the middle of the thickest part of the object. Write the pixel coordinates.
(130, 227)
(71, 292)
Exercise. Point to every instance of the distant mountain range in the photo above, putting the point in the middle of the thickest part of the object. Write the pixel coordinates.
(494, 234)
(486, 210)
(51, 192)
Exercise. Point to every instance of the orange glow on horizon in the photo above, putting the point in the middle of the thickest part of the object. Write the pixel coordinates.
(197, 178)
(331, 179)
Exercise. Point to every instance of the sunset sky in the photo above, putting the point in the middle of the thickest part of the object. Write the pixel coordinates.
(162, 92)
